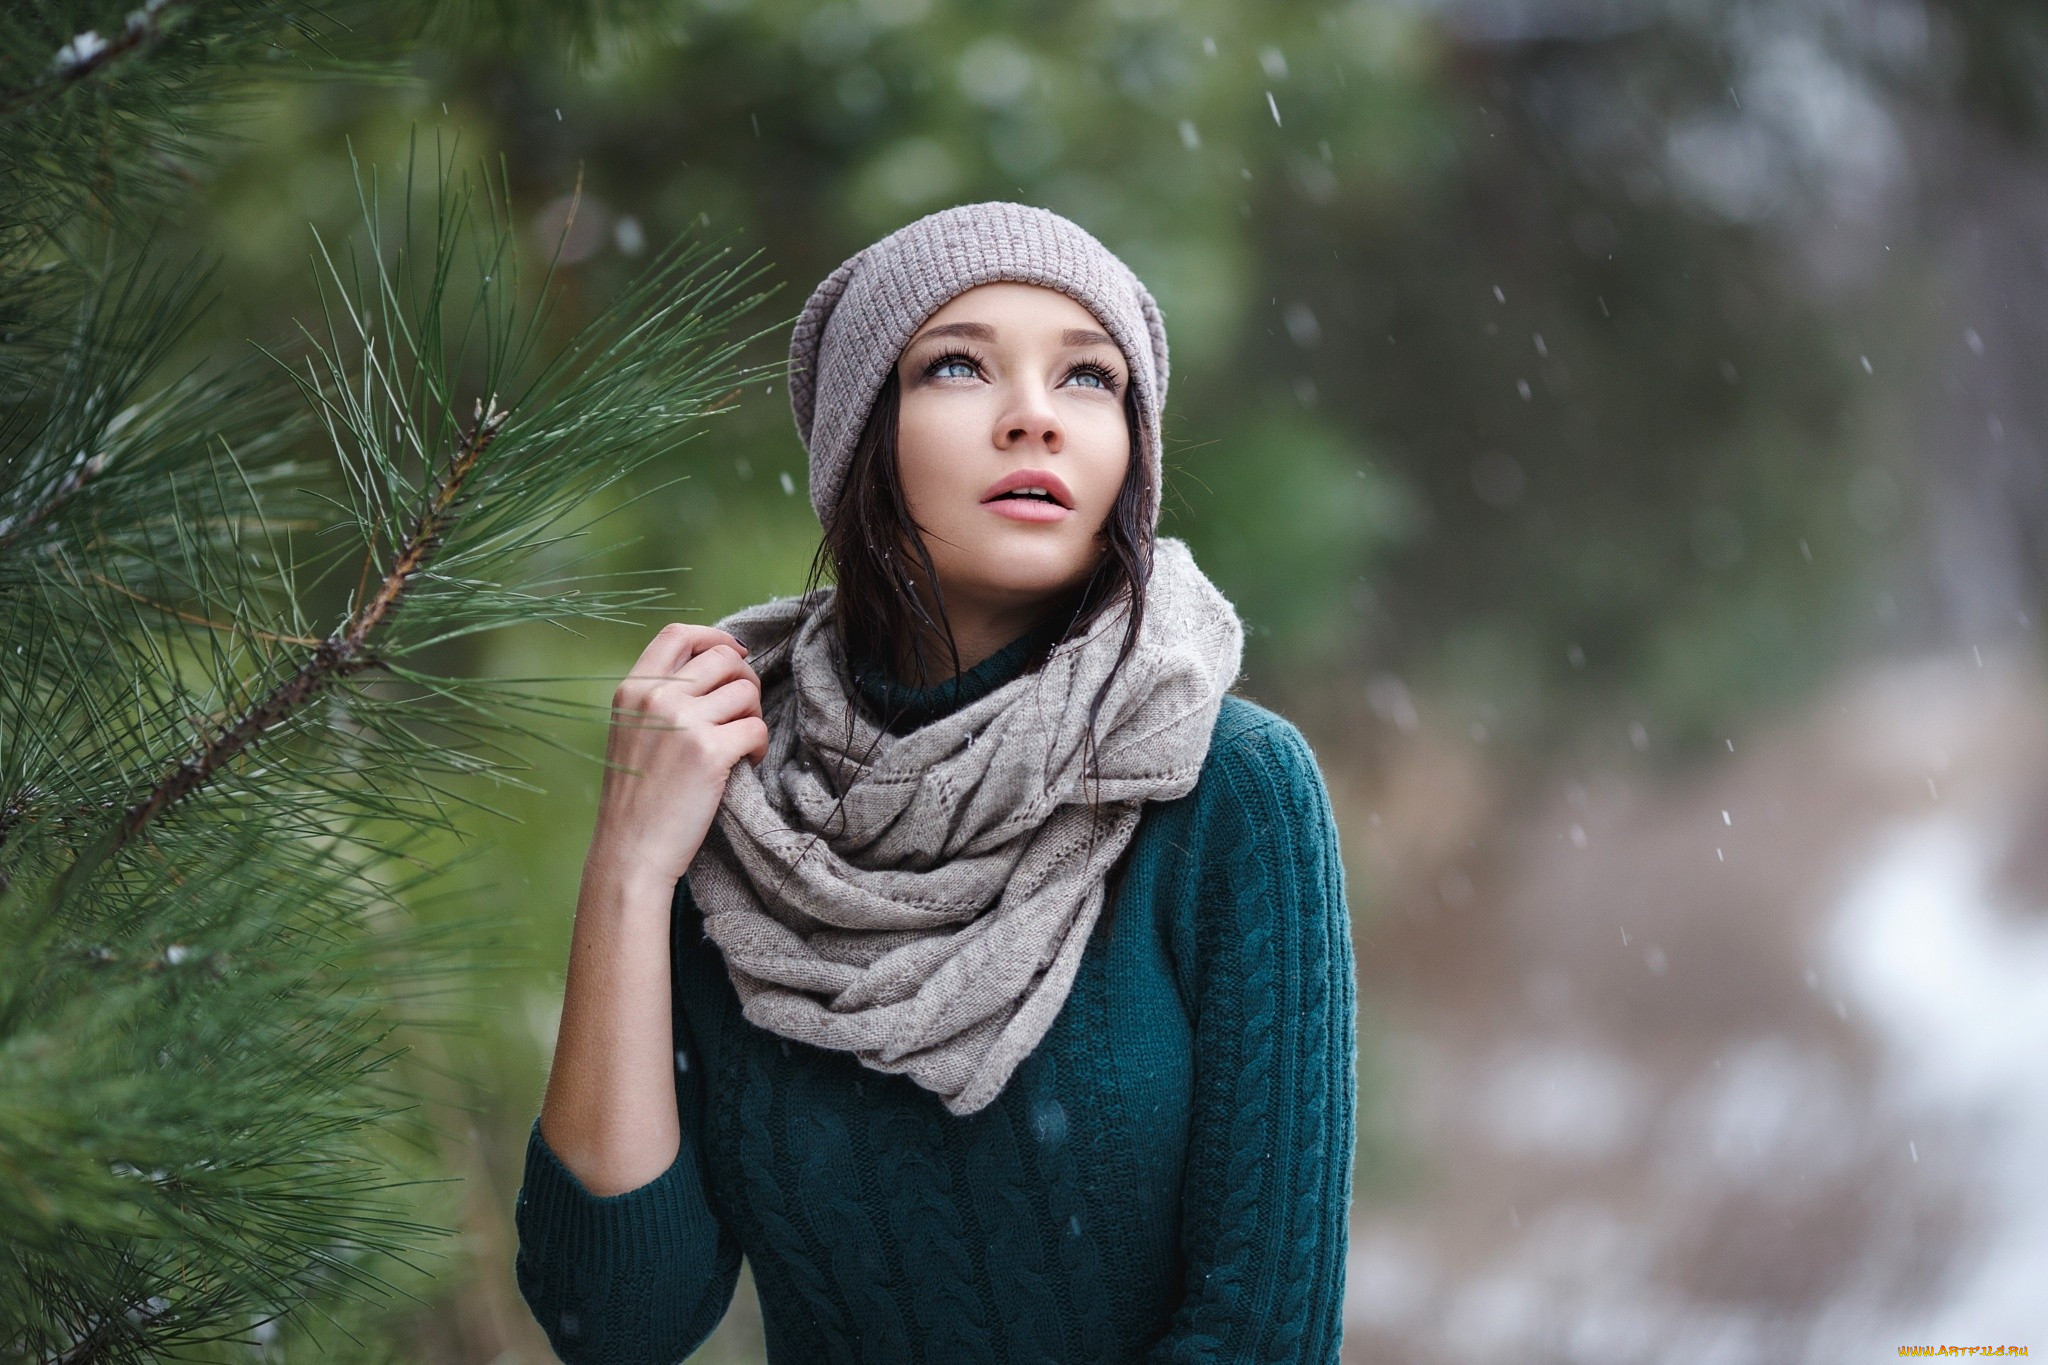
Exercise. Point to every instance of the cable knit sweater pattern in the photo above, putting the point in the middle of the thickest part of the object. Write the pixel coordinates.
(1166, 1178)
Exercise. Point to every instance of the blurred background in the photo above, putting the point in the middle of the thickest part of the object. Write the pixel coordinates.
(1621, 427)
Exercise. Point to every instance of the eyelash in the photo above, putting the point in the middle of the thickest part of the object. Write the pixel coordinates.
(1099, 370)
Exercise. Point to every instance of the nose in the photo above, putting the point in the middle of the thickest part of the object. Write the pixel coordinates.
(1030, 417)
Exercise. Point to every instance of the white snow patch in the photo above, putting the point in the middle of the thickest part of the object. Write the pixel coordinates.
(1957, 987)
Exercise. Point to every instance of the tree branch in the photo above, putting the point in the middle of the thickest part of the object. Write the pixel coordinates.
(88, 54)
(74, 478)
(194, 619)
(344, 652)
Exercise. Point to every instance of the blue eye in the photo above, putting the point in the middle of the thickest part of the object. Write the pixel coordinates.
(1104, 380)
(945, 367)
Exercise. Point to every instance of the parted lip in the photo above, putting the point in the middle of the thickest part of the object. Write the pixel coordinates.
(1032, 478)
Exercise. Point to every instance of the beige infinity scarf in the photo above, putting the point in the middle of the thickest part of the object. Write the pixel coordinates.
(922, 900)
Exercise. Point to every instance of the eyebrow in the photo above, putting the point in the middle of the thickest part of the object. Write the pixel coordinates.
(981, 331)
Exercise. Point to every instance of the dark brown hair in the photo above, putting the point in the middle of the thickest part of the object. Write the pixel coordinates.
(870, 539)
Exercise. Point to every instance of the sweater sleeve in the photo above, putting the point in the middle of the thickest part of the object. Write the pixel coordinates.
(1266, 1198)
(639, 1278)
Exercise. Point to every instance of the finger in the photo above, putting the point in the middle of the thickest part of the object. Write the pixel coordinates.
(710, 637)
(715, 645)
(714, 667)
(711, 661)
(671, 641)
(670, 644)
(676, 643)
(755, 730)
(735, 699)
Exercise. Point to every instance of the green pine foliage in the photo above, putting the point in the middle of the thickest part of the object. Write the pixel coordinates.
(227, 731)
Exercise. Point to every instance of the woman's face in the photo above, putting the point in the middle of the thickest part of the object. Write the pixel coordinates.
(1011, 386)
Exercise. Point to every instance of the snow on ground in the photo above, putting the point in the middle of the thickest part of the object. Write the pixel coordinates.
(1955, 982)
(1743, 1066)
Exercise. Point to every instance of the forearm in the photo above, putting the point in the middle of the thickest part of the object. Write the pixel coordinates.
(610, 1110)
(622, 1257)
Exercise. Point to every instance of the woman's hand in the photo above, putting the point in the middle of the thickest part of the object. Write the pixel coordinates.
(688, 711)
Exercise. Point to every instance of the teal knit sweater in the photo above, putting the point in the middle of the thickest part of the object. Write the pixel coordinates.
(1166, 1178)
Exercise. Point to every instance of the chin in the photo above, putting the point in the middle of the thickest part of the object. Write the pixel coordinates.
(1031, 582)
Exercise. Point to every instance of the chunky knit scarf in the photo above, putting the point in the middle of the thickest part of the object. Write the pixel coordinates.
(922, 900)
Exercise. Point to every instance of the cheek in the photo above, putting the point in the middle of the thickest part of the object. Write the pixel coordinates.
(928, 463)
(1105, 454)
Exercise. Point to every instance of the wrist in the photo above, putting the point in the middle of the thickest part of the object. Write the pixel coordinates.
(621, 875)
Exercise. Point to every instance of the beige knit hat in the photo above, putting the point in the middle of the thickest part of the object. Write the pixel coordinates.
(853, 329)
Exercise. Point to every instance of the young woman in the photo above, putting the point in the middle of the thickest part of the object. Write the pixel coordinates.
(951, 944)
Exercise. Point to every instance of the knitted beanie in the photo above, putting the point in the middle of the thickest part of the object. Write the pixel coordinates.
(857, 321)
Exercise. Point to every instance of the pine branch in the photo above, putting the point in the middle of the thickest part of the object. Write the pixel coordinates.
(201, 1021)
(87, 54)
(191, 619)
(345, 652)
(73, 479)
(98, 1344)
(12, 810)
